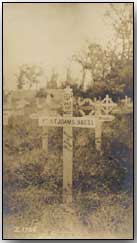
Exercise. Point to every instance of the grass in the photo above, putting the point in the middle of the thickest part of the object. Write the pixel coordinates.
(56, 220)
(102, 206)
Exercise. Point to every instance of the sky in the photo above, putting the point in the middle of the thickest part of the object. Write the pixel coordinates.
(49, 34)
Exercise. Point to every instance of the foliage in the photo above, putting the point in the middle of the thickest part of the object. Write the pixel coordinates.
(29, 75)
(109, 172)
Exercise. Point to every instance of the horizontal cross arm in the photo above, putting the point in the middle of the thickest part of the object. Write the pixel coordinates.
(67, 122)
(84, 122)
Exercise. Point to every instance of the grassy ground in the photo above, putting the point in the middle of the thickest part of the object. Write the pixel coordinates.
(109, 220)
(102, 185)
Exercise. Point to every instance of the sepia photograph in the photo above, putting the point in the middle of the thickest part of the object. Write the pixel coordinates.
(68, 84)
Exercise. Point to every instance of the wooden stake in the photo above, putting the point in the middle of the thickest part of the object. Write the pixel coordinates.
(45, 139)
(67, 148)
(98, 134)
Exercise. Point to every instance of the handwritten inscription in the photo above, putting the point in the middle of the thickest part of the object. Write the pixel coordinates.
(67, 141)
(25, 229)
(67, 121)
(68, 102)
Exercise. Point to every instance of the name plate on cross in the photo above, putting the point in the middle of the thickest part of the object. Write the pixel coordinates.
(67, 122)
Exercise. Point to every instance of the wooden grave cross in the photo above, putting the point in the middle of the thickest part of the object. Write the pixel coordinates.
(18, 110)
(100, 110)
(6, 115)
(68, 122)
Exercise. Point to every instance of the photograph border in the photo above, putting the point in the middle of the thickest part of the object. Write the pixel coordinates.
(3, 3)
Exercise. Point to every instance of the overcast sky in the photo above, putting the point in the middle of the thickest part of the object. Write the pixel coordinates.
(49, 34)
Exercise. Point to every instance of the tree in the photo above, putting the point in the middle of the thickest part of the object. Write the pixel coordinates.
(121, 75)
(121, 18)
(29, 75)
(95, 60)
(20, 79)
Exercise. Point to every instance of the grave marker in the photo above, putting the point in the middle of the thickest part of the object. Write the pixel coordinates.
(100, 113)
(100, 110)
(67, 147)
(98, 134)
(45, 139)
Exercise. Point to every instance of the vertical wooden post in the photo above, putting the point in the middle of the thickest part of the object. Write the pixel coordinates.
(98, 134)
(67, 148)
(5, 119)
(6, 116)
(45, 139)
(126, 100)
